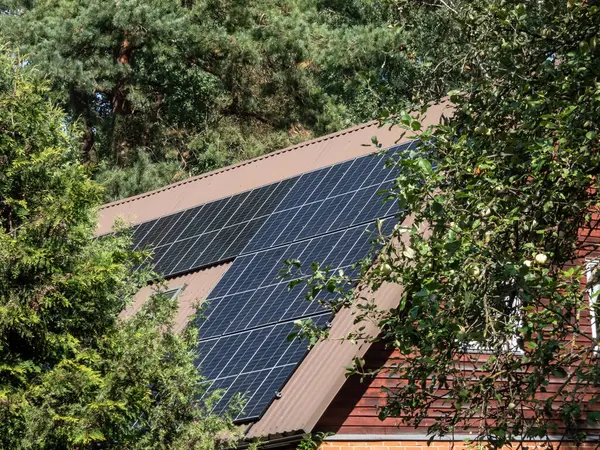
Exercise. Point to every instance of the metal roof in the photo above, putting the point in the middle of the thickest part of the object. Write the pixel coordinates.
(321, 374)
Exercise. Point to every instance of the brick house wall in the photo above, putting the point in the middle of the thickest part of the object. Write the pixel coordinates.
(441, 445)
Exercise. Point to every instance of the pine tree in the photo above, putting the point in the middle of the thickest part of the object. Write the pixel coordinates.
(207, 83)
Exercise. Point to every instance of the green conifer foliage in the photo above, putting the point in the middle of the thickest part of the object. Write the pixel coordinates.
(72, 374)
(207, 83)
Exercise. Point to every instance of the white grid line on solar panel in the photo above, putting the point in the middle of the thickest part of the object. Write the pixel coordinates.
(296, 306)
(299, 208)
(239, 349)
(274, 332)
(255, 403)
(190, 221)
(355, 176)
(258, 391)
(287, 246)
(230, 219)
(306, 174)
(335, 174)
(265, 398)
(207, 227)
(202, 242)
(247, 225)
(314, 180)
(268, 369)
(379, 157)
(306, 313)
(148, 225)
(230, 273)
(265, 325)
(265, 379)
(276, 335)
(347, 232)
(287, 350)
(274, 243)
(315, 186)
(247, 194)
(226, 393)
(167, 224)
(174, 268)
(212, 231)
(188, 217)
(344, 258)
(404, 148)
(204, 220)
(225, 215)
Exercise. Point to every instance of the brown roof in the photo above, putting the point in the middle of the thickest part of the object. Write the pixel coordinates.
(321, 374)
(195, 287)
(266, 169)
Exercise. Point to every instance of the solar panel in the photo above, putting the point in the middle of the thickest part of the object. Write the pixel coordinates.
(317, 216)
(255, 305)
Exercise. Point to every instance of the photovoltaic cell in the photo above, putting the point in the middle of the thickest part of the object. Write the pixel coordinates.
(294, 227)
(356, 174)
(270, 229)
(227, 215)
(203, 219)
(157, 234)
(329, 181)
(141, 232)
(235, 247)
(186, 218)
(304, 188)
(325, 215)
(267, 206)
(195, 250)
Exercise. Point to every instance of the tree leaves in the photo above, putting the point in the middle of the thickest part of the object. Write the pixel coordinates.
(73, 373)
(487, 268)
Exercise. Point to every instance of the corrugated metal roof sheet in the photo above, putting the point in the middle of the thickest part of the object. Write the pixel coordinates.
(195, 287)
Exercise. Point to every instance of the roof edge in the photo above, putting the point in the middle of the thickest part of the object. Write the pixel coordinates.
(241, 164)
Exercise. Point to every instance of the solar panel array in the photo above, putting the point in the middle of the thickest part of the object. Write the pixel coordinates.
(251, 312)
(321, 201)
(317, 216)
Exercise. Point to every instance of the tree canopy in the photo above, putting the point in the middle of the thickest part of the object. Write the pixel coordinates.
(493, 326)
(193, 86)
(72, 373)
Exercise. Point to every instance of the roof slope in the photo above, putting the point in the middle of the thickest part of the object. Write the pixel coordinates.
(276, 166)
(322, 371)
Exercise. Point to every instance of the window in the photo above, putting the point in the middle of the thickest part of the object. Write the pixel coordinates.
(593, 288)
(512, 320)
(172, 293)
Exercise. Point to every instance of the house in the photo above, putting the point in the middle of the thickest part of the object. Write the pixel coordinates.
(220, 238)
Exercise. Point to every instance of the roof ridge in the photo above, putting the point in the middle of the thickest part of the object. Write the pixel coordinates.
(241, 164)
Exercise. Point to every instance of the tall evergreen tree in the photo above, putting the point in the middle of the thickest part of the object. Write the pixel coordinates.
(206, 83)
(72, 374)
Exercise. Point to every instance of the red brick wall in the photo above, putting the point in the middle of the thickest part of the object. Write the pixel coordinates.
(440, 445)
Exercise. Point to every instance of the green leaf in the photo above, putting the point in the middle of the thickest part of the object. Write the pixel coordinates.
(425, 166)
